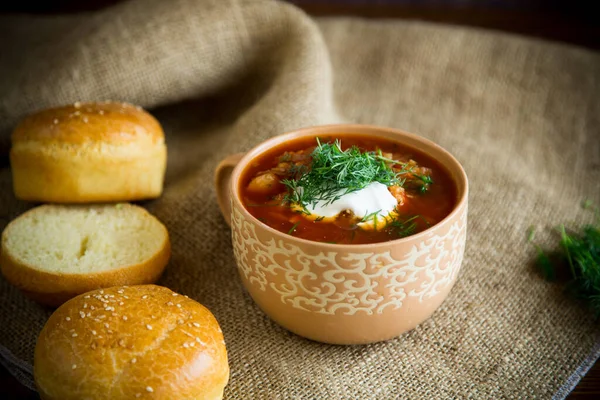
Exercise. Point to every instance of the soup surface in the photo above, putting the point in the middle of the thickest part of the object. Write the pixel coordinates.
(347, 189)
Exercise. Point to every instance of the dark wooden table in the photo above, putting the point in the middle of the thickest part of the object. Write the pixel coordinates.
(564, 21)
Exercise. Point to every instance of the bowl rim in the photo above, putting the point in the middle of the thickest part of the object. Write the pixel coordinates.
(355, 129)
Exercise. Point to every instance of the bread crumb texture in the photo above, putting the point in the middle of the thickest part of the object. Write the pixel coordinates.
(84, 239)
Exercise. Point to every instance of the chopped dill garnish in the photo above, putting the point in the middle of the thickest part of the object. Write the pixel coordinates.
(577, 259)
(372, 216)
(321, 218)
(403, 227)
(335, 172)
(293, 228)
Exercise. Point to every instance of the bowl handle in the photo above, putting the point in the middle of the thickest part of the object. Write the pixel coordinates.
(223, 184)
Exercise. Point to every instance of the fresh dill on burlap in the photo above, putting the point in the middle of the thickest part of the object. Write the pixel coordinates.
(577, 259)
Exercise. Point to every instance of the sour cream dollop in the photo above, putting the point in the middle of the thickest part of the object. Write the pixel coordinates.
(374, 198)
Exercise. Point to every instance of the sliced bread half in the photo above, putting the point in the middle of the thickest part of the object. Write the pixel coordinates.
(54, 252)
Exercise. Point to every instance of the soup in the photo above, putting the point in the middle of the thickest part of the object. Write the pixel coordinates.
(347, 189)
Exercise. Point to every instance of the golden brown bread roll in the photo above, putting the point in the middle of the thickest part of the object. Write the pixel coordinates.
(55, 252)
(143, 342)
(89, 152)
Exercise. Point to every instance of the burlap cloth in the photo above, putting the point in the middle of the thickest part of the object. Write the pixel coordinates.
(522, 116)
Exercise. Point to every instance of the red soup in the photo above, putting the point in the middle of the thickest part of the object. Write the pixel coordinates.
(347, 189)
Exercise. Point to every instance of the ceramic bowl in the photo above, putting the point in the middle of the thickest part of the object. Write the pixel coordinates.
(345, 294)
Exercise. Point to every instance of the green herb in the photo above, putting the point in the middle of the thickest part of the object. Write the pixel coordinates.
(321, 218)
(425, 180)
(578, 259)
(335, 172)
(372, 216)
(293, 228)
(403, 227)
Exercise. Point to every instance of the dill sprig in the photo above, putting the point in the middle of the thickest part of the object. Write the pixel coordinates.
(578, 259)
(404, 226)
(335, 172)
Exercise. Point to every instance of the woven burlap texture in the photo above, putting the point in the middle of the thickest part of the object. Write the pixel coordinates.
(522, 116)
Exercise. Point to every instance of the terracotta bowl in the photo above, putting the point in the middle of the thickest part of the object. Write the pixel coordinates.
(345, 294)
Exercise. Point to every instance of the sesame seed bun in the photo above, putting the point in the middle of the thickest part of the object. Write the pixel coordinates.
(144, 342)
(88, 152)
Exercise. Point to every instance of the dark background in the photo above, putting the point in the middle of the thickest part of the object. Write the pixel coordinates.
(570, 22)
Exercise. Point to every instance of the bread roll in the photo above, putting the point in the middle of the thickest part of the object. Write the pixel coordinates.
(53, 253)
(143, 342)
(90, 152)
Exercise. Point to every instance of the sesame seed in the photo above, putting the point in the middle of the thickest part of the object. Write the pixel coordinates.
(175, 294)
(89, 314)
(81, 314)
(149, 389)
(149, 327)
(111, 296)
(197, 325)
(110, 309)
(94, 333)
(153, 317)
(87, 296)
(138, 395)
(121, 303)
(120, 291)
(133, 360)
(106, 296)
(106, 325)
(122, 343)
(180, 321)
(170, 303)
(84, 305)
(198, 340)
(74, 366)
(94, 346)
(186, 345)
(145, 296)
(85, 119)
(114, 314)
(68, 318)
(99, 337)
(77, 104)
(77, 113)
(101, 316)
(192, 344)
(55, 121)
(109, 331)
(124, 317)
(185, 295)
(101, 292)
(74, 335)
(101, 112)
(126, 297)
(92, 308)
(178, 305)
